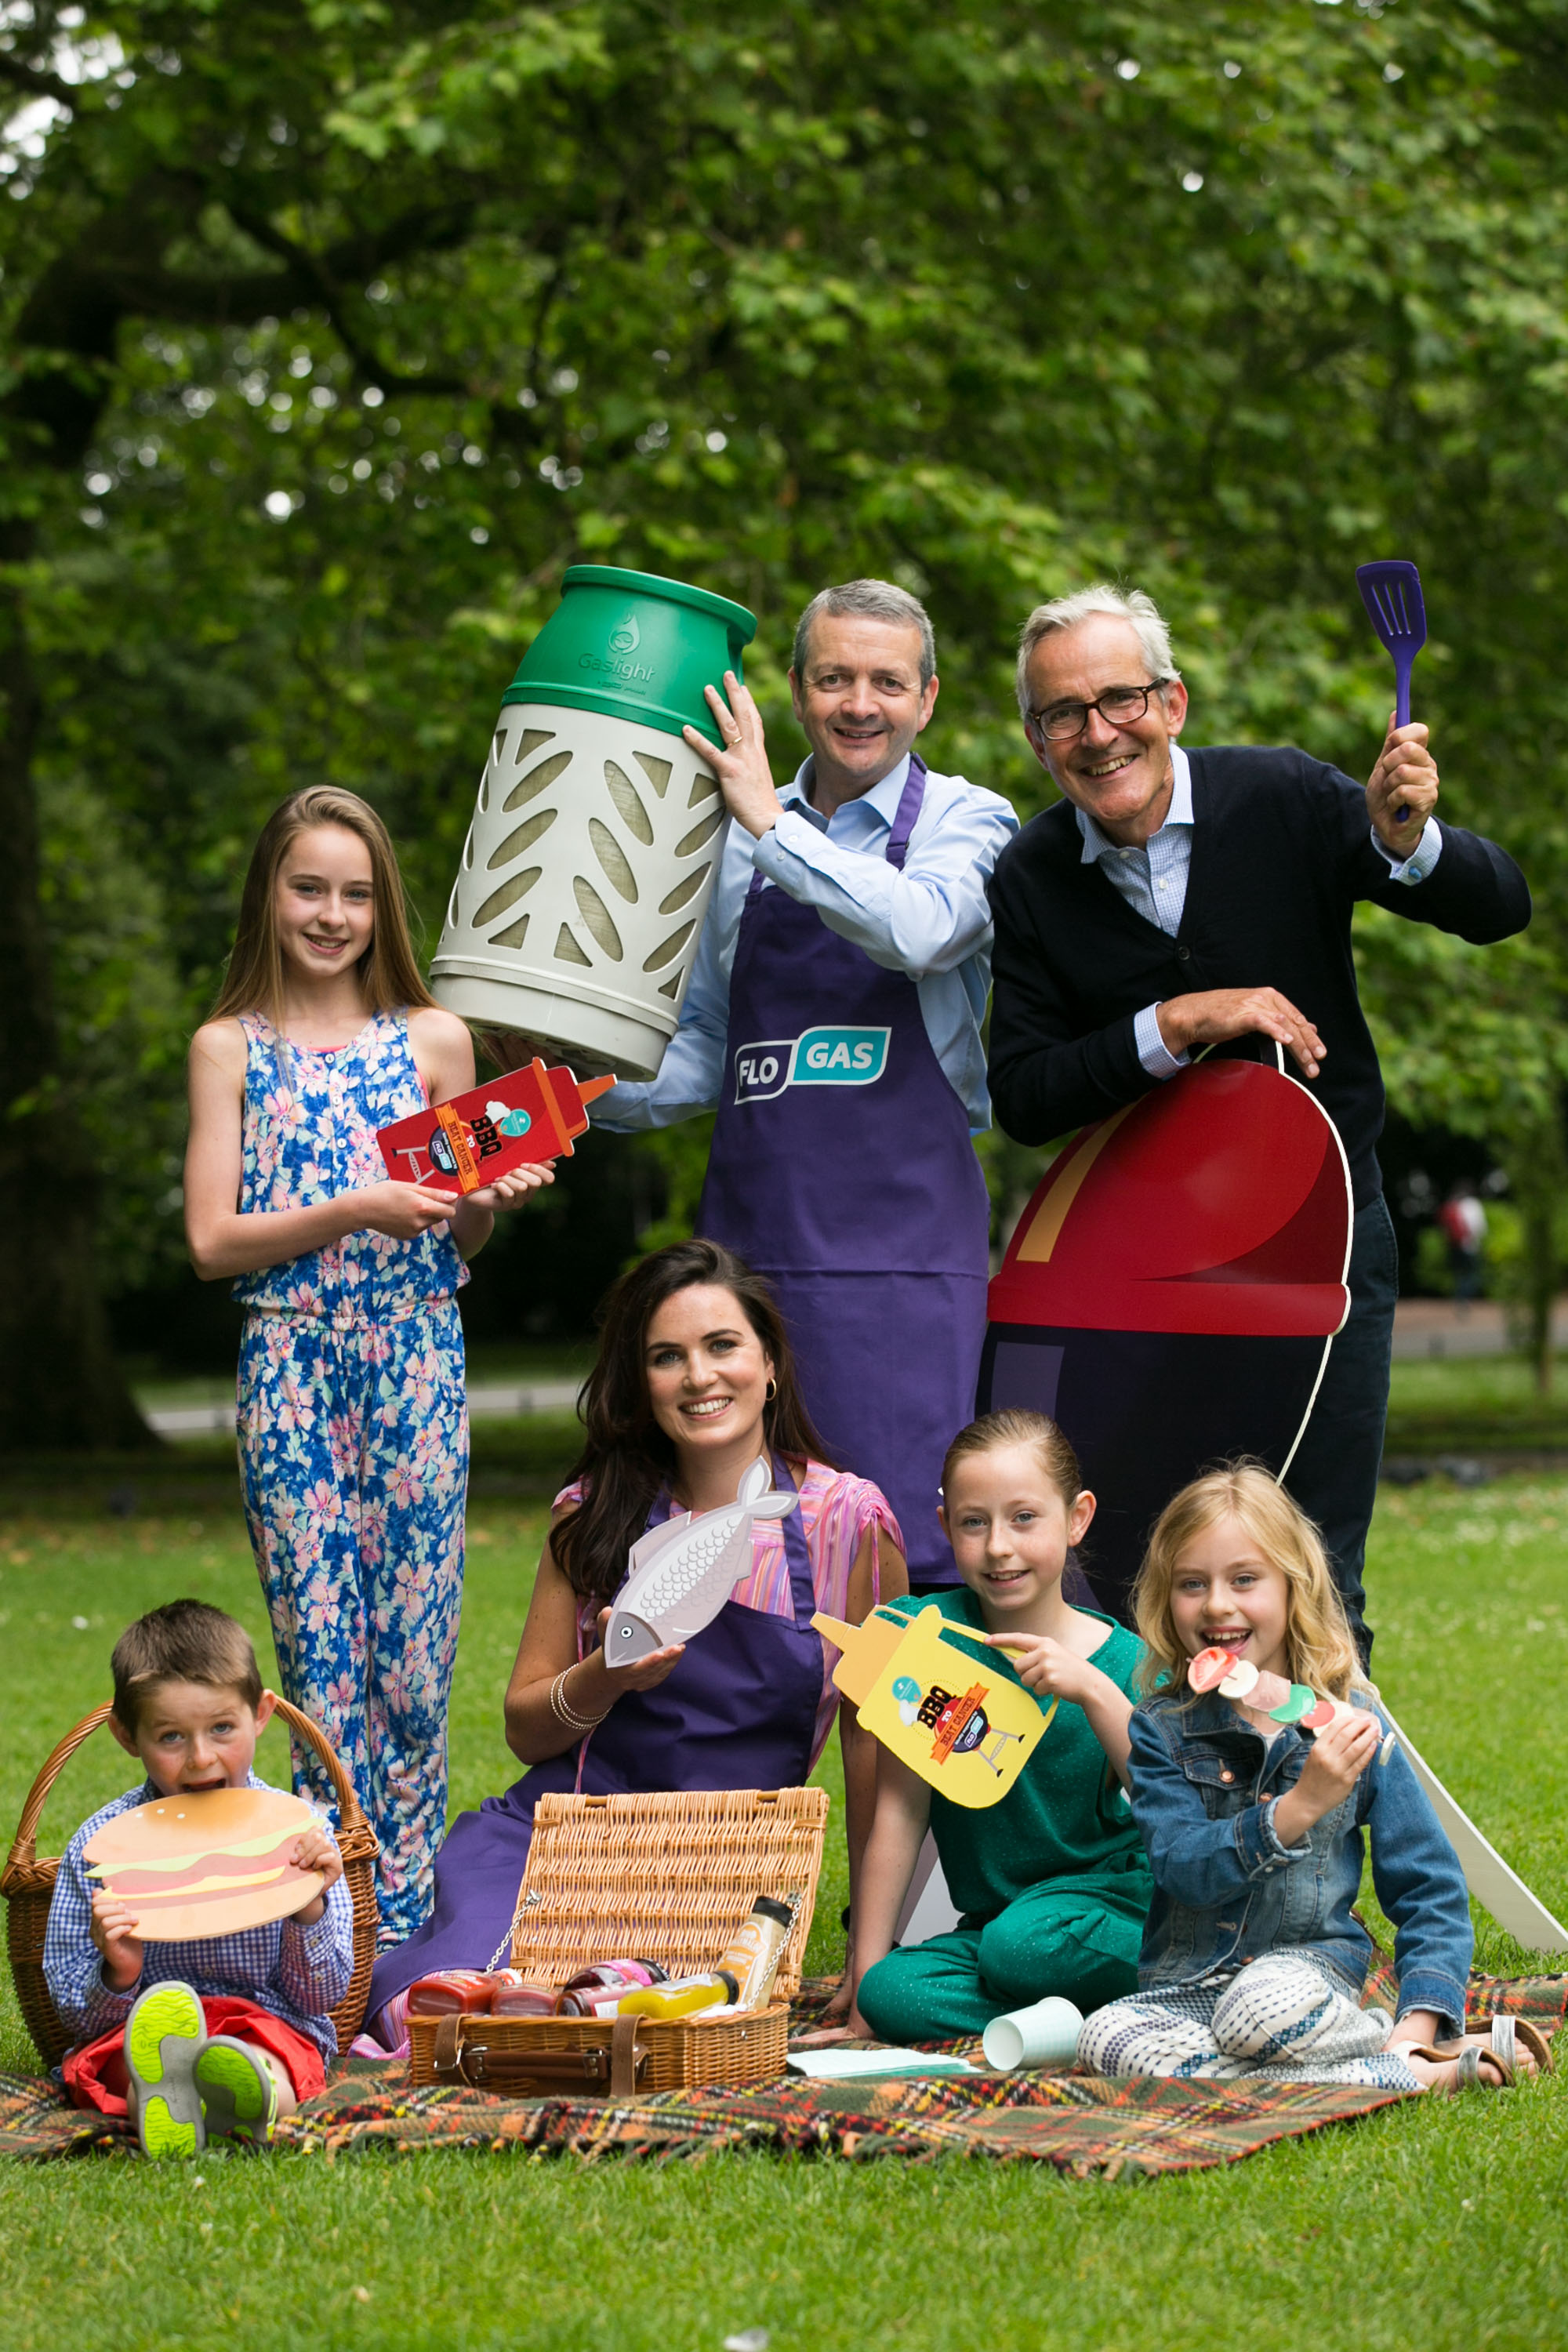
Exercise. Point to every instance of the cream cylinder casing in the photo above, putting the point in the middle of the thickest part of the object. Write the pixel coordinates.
(585, 877)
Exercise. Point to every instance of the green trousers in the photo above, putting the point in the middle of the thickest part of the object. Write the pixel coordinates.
(1076, 1936)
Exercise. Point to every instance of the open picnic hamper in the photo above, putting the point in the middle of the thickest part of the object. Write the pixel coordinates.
(666, 1878)
(29, 1885)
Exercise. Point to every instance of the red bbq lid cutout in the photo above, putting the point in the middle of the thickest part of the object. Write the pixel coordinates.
(1219, 1203)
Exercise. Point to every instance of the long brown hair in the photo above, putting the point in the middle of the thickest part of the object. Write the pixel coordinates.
(627, 1457)
(1318, 1649)
(388, 973)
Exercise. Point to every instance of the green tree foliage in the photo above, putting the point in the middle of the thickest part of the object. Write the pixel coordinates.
(336, 331)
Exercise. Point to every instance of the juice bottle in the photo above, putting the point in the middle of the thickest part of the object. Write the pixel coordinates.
(681, 1996)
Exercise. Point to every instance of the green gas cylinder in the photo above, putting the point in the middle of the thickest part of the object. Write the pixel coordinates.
(594, 848)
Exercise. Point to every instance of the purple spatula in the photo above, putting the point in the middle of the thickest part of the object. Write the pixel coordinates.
(1390, 591)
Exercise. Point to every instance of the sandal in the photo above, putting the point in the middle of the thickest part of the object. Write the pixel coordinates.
(1466, 2064)
(1510, 2034)
(1467, 2075)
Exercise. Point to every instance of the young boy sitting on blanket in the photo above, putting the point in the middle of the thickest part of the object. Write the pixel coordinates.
(1052, 1884)
(215, 2038)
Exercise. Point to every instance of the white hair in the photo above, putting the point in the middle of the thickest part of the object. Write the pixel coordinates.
(1067, 612)
(871, 600)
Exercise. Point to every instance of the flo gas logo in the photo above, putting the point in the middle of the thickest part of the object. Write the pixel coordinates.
(820, 1058)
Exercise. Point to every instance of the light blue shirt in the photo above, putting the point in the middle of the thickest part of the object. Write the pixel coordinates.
(1153, 881)
(931, 922)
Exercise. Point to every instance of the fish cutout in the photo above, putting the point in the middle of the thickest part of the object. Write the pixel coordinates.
(679, 1576)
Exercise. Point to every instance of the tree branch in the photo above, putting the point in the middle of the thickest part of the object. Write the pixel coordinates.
(321, 277)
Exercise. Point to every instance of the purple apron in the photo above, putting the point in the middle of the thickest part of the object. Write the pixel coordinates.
(842, 1167)
(738, 1712)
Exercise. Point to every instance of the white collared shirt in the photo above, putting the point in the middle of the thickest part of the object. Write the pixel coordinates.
(931, 923)
(1153, 881)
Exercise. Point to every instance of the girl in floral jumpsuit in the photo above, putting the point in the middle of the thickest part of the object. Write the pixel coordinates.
(353, 1432)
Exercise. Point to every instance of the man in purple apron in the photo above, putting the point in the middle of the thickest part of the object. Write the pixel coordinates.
(833, 1021)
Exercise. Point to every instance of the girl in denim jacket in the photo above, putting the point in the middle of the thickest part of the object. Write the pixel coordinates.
(1253, 1962)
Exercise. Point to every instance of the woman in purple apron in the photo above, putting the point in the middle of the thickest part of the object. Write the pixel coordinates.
(694, 1383)
(842, 1167)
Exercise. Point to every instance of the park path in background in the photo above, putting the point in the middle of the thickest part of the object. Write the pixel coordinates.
(1435, 1327)
(1428, 1327)
(487, 1400)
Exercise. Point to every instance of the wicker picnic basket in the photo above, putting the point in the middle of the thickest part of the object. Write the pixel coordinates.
(28, 1883)
(666, 1878)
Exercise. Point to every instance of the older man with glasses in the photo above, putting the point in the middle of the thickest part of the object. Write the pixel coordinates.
(1173, 900)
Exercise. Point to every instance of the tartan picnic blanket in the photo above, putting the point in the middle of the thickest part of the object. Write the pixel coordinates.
(1083, 2126)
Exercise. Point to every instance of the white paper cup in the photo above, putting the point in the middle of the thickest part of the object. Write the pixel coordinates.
(1045, 2035)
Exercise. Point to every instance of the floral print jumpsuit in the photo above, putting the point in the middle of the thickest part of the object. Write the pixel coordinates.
(353, 1446)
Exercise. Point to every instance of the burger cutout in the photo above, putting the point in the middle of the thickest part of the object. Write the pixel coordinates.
(1172, 1291)
(207, 1865)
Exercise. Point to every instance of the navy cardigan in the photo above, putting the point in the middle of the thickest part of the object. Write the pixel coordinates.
(1281, 851)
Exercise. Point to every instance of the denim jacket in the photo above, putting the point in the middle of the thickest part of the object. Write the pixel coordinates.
(1204, 1789)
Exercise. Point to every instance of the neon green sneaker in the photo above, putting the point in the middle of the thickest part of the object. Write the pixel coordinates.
(239, 2095)
(162, 2035)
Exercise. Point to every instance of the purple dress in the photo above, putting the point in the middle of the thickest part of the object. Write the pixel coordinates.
(853, 1185)
(738, 1712)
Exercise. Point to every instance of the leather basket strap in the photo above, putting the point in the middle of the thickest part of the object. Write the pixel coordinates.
(484, 2066)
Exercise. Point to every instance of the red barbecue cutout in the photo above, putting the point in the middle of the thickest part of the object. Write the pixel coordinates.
(1219, 1203)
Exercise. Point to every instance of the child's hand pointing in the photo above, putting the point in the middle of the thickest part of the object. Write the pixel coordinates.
(1046, 1665)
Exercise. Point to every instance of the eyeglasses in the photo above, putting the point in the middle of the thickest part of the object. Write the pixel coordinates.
(1119, 706)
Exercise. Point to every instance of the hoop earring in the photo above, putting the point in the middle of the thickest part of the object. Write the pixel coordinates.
(769, 1391)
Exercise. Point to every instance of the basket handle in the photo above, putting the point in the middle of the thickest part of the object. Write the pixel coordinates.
(349, 1815)
(23, 1845)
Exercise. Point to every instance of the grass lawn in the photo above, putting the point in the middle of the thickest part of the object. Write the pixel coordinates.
(1432, 2225)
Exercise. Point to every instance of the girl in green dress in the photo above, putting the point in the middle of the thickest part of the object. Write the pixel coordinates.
(1052, 1884)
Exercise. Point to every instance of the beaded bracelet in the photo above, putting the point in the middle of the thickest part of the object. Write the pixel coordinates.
(564, 1712)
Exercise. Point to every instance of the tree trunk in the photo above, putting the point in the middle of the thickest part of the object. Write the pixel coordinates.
(59, 1383)
(1536, 1164)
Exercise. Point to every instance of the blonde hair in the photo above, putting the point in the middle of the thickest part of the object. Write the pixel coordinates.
(389, 974)
(994, 1429)
(1318, 1646)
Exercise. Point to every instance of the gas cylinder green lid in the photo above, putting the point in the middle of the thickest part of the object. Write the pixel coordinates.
(632, 645)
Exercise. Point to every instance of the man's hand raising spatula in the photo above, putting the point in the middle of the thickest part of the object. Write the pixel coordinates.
(1402, 790)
